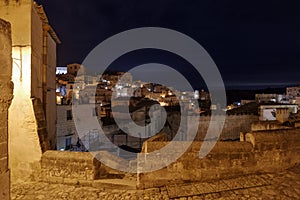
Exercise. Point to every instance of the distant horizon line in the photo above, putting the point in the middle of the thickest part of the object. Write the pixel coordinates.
(235, 85)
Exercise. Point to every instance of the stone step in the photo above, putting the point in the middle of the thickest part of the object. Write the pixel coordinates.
(120, 184)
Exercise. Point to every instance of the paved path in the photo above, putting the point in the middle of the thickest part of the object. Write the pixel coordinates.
(284, 185)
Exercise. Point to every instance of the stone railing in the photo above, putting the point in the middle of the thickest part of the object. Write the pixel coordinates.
(263, 152)
(79, 167)
(69, 167)
(264, 126)
(162, 137)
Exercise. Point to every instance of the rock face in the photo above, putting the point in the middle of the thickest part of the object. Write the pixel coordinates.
(6, 88)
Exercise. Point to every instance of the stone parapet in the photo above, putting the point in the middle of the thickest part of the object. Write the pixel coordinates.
(263, 152)
(233, 125)
(58, 166)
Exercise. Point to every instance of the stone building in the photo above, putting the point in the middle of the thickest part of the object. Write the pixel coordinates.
(74, 68)
(6, 88)
(293, 92)
(32, 114)
(67, 134)
(66, 131)
(267, 112)
(265, 98)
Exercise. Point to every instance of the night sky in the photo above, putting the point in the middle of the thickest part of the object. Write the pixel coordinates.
(254, 43)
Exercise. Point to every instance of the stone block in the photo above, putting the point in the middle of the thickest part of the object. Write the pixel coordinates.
(269, 147)
(88, 183)
(224, 164)
(5, 50)
(235, 156)
(3, 149)
(56, 180)
(3, 119)
(4, 188)
(221, 156)
(242, 137)
(249, 163)
(70, 181)
(6, 88)
(70, 165)
(3, 134)
(236, 163)
(268, 151)
(3, 164)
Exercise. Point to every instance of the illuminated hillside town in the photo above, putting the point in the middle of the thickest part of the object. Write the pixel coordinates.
(269, 107)
(69, 133)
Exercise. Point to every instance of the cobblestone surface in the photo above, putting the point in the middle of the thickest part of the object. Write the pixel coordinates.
(284, 185)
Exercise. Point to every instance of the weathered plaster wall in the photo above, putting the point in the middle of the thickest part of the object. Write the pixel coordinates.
(36, 54)
(24, 146)
(64, 126)
(10, 11)
(6, 88)
(51, 92)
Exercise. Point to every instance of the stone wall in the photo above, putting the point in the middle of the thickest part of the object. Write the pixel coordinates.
(269, 151)
(6, 88)
(24, 147)
(36, 34)
(51, 91)
(65, 127)
(41, 124)
(69, 167)
(234, 124)
(268, 125)
(79, 167)
(28, 130)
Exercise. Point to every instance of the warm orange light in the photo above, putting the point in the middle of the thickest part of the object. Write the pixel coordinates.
(21, 72)
(163, 104)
